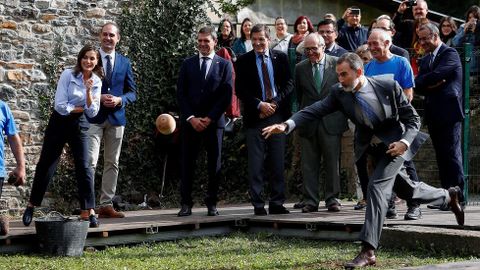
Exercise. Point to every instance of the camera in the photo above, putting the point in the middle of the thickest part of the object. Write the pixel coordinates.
(411, 3)
(355, 11)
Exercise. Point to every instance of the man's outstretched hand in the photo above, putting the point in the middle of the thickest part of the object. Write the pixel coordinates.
(274, 129)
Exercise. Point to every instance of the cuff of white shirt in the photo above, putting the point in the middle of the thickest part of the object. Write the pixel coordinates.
(290, 126)
(406, 143)
(190, 117)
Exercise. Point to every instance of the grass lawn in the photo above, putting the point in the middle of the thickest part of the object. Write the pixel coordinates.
(237, 251)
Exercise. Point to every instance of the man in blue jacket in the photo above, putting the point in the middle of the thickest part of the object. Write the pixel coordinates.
(118, 90)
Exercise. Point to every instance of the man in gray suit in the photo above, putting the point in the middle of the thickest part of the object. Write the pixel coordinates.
(322, 138)
(383, 117)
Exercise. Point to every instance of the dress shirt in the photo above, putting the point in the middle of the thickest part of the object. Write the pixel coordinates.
(270, 72)
(434, 53)
(71, 93)
(209, 63)
(321, 66)
(104, 60)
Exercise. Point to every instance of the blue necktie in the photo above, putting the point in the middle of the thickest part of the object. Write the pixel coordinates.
(109, 70)
(203, 68)
(368, 111)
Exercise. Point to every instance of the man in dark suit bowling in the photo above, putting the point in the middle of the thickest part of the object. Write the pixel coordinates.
(384, 119)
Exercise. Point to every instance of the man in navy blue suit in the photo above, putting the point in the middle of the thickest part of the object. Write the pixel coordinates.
(264, 84)
(440, 80)
(118, 91)
(204, 91)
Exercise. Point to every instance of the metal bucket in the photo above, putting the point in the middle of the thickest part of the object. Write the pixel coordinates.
(61, 236)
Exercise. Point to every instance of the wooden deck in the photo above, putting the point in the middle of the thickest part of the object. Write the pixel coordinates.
(160, 225)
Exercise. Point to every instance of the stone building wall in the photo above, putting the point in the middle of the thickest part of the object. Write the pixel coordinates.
(29, 30)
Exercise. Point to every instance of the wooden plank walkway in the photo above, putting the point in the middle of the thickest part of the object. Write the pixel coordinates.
(161, 225)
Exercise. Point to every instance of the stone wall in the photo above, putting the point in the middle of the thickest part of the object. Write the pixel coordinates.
(29, 30)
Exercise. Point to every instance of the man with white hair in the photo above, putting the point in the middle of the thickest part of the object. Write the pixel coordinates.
(320, 141)
(386, 23)
(406, 26)
(384, 62)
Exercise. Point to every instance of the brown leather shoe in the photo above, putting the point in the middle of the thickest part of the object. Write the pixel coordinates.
(363, 259)
(455, 193)
(109, 212)
(4, 225)
(84, 214)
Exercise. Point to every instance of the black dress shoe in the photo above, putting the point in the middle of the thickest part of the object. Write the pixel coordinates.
(391, 212)
(299, 205)
(309, 208)
(360, 205)
(185, 211)
(94, 223)
(278, 210)
(413, 213)
(28, 216)
(334, 207)
(362, 260)
(454, 204)
(212, 210)
(259, 211)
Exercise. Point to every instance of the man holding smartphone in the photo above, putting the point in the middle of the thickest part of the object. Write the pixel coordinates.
(351, 34)
(405, 27)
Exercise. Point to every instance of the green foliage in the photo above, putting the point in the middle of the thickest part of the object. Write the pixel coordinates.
(157, 36)
(237, 251)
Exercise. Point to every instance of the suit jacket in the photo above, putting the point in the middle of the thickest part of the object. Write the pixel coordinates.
(249, 89)
(443, 104)
(335, 123)
(205, 97)
(399, 51)
(337, 50)
(122, 85)
(401, 120)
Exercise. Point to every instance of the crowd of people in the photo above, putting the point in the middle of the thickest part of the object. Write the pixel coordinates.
(343, 70)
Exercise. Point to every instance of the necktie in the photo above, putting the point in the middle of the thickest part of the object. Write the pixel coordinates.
(203, 68)
(317, 76)
(432, 57)
(366, 109)
(109, 69)
(266, 79)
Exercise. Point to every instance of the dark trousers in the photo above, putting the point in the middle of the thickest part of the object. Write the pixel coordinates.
(266, 157)
(446, 140)
(390, 175)
(71, 129)
(192, 141)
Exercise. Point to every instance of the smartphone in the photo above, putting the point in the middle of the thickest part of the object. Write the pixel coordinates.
(355, 11)
(411, 3)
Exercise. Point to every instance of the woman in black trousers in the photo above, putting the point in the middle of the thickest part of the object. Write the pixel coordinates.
(77, 95)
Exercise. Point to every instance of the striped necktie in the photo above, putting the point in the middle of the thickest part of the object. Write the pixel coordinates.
(367, 110)
(109, 70)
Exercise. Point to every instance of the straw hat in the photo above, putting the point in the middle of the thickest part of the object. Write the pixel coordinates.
(165, 124)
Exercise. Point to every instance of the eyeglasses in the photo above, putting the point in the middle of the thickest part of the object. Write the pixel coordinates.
(328, 32)
(424, 39)
(312, 49)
